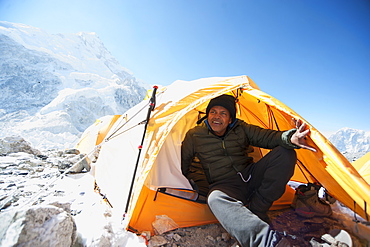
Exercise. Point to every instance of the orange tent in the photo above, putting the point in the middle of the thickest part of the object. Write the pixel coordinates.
(160, 188)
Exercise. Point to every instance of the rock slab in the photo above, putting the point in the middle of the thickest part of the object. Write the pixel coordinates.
(45, 225)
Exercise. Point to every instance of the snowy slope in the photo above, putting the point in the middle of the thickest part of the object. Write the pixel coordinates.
(53, 86)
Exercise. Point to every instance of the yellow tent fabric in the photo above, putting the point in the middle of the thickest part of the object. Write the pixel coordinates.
(362, 165)
(96, 133)
(178, 107)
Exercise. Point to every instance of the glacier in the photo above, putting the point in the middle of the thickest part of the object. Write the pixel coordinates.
(53, 86)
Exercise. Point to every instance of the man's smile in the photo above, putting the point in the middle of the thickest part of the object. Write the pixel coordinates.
(218, 119)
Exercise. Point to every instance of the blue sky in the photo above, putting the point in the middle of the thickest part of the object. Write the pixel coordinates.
(313, 55)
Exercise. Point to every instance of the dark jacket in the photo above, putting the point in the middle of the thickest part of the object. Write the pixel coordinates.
(222, 157)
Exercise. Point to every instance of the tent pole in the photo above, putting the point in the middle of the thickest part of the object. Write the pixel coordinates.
(150, 109)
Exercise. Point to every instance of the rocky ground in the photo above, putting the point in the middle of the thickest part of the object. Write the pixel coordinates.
(282, 220)
(30, 178)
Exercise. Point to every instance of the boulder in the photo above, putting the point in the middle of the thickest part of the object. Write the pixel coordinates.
(80, 162)
(41, 225)
(15, 144)
(74, 164)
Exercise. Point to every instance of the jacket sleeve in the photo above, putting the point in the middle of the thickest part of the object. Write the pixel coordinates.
(187, 153)
(267, 138)
(286, 136)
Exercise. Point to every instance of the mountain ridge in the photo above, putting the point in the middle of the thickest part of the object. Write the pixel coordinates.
(56, 85)
(352, 143)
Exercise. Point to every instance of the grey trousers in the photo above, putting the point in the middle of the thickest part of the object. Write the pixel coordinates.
(240, 222)
(267, 180)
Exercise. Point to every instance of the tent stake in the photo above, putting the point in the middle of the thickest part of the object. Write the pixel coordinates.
(150, 109)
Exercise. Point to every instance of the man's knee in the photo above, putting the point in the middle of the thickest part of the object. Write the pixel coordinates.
(288, 155)
(220, 199)
(283, 160)
(217, 196)
(213, 197)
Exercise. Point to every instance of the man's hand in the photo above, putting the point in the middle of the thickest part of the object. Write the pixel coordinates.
(299, 137)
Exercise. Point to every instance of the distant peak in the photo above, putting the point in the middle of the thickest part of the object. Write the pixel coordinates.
(86, 34)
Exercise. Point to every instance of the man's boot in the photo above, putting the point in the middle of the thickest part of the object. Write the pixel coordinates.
(308, 204)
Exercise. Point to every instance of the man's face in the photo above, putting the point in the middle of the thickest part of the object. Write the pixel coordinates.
(219, 118)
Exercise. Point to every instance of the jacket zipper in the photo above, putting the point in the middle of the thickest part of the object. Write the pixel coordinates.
(209, 168)
(225, 151)
(226, 154)
(223, 146)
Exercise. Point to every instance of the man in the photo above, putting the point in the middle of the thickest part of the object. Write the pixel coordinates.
(241, 191)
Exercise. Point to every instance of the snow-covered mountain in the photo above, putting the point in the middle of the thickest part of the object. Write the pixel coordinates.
(53, 86)
(351, 143)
